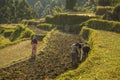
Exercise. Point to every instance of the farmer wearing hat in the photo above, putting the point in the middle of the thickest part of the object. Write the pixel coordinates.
(34, 45)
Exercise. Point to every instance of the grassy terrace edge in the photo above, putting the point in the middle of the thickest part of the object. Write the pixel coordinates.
(40, 48)
(103, 61)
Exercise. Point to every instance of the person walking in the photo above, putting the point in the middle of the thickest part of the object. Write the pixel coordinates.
(34, 43)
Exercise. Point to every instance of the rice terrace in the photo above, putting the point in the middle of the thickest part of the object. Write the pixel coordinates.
(59, 39)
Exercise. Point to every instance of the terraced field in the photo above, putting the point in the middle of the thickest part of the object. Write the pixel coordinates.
(37, 31)
(8, 25)
(103, 62)
(53, 60)
(14, 53)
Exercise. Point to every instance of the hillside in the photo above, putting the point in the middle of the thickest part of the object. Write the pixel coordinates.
(53, 60)
(53, 57)
(15, 53)
(103, 61)
(19, 49)
(57, 24)
(47, 7)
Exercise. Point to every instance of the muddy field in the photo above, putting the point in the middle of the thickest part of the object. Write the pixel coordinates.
(53, 60)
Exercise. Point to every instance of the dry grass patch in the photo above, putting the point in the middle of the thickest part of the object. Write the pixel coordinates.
(8, 25)
(13, 53)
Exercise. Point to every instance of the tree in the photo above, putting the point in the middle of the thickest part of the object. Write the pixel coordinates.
(2, 3)
(38, 8)
(94, 3)
(104, 2)
(15, 10)
(70, 4)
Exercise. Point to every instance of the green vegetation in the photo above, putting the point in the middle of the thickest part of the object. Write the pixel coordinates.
(14, 35)
(108, 2)
(45, 26)
(101, 10)
(4, 36)
(47, 7)
(116, 13)
(4, 41)
(21, 32)
(63, 27)
(14, 11)
(53, 7)
(85, 6)
(109, 9)
(104, 25)
(70, 4)
(103, 60)
(7, 33)
(69, 19)
(52, 60)
(32, 21)
(8, 26)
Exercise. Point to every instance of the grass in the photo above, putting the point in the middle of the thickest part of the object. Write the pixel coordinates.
(112, 26)
(33, 21)
(21, 32)
(68, 19)
(101, 10)
(15, 52)
(53, 60)
(4, 41)
(45, 26)
(8, 33)
(8, 25)
(103, 62)
(37, 30)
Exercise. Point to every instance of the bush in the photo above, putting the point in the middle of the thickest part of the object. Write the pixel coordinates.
(69, 19)
(104, 2)
(45, 26)
(17, 32)
(101, 10)
(21, 32)
(108, 2)
(104, 25)
(4, 41)
(70, 4)
(116, 27)
(27, 33)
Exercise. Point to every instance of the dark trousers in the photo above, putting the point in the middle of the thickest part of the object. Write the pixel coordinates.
(74, 57)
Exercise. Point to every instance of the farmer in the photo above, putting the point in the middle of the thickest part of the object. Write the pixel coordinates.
(80, 51)
(34, 46)
(74, 54)
(86, 49)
